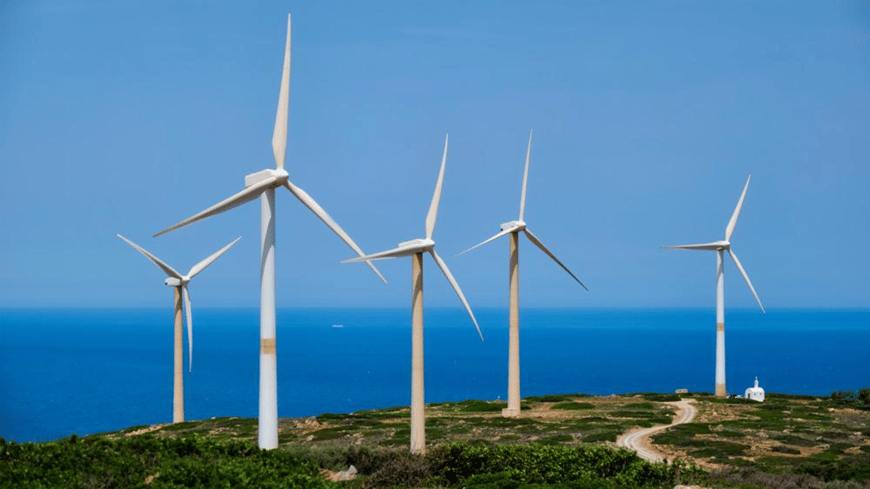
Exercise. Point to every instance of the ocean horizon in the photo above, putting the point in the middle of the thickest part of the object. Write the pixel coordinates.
(91, 370)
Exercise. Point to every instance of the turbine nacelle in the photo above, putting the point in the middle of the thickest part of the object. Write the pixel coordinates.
(514, 225)
(280, 175)
(176, 282)
(419, 245)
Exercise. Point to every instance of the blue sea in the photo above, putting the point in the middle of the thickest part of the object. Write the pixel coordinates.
(83, 371)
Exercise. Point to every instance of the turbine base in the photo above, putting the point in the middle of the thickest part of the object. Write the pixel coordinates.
(510, 413)
(721, 391)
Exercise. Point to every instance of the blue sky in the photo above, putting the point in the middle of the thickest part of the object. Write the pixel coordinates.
(129, 116)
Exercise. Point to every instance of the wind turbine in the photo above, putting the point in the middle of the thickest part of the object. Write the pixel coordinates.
(415, 249)
(720, 247)
(263, 184)
(513, 228)
(179, 282)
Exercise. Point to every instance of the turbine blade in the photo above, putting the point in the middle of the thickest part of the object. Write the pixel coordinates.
(208, 261)
(432, 216)
(525, 178)
(443, 267)
(746, 277)
(189, 327)
(319, 212)
(238, 199)
(534, 239)
(383, 255)
(733, 221)
(157, 261)
(499, 235)
(279, 136)
(704, 246)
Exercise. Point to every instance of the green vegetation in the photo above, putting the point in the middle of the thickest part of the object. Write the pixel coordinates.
(787, 441)
(556, 439)
(852, 398)
(603, 435)
(572, 406)
(752, 478)
(481, 407)
(555, 398)
(140, 460)
(559, 441)
(185, 462)
(658, 397)
(784, 449)
(577, 467)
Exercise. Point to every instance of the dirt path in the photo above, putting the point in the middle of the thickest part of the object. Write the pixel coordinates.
(638, 440)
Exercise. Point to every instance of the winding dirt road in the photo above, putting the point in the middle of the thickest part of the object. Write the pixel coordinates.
(638, 440)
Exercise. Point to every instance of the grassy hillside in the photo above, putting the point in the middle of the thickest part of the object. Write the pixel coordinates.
(559, 441)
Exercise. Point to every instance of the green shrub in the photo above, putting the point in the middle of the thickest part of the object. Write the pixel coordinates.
(481, 407)
(831, 467)
(790, 439)
(842, 485)
(556, 439)
(844, 397)
(681, 435)
(662, 397)
(555, 398)
(573, 406)
(330, 433)
(193, 461)
(460, 463)
(751, 478)
(399, 469)
(785, 449)
(779, 395)
(718, 449)
(600, 436)
(638, 405)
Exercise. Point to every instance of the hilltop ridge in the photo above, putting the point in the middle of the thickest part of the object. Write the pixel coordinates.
(815, 439)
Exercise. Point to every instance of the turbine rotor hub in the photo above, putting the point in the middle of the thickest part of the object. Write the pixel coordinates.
(282, 176)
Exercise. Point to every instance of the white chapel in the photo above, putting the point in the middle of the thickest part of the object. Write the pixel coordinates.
(755, 393)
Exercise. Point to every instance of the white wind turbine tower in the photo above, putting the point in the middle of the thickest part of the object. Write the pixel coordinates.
(415, 249)
(720, 247)
(263, 184)
(513, 228)
(179, 282)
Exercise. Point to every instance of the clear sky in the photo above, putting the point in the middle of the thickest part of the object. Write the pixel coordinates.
(126, 117)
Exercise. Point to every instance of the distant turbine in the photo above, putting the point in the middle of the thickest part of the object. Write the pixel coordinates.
(179, 282)
(720, 247)
(264, 183)
(415, 248)
(513, 228)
